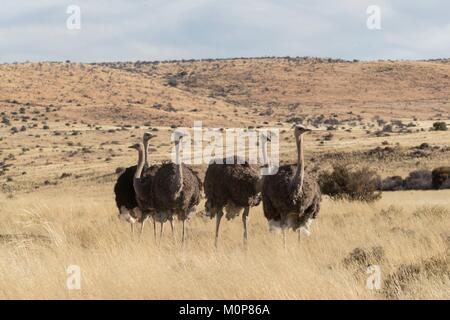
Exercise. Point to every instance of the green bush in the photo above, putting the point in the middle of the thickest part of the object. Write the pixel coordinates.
(353, 185)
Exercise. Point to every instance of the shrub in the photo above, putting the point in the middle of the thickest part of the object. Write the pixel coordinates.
(363, 257)
(353, 185)
(388, 128)
(418, 180)
(440, 177)
(393, 183)
(440, 126)
(172, 81)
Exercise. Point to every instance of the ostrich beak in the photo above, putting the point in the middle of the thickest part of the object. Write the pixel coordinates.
(149, 135)
(302, 129)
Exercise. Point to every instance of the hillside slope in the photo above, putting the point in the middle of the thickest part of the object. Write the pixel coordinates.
(225, 92)
(284, 87)
(99, 94)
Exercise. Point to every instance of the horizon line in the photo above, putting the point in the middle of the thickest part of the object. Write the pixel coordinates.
(184, 60)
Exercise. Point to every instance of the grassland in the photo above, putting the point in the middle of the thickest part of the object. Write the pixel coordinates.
(65, 128)
(45, 232)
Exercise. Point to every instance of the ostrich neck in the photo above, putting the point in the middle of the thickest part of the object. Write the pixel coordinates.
(179, 169)
(300, 171)
(137, 175)
(146, 153)
(265, 167)
(264, 152)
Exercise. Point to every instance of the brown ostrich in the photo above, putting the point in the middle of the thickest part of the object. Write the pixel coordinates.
(142, 182)
(291, 197)
(125, 195)
(234, 186)
(176, 190)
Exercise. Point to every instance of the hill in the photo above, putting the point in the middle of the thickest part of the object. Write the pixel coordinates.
(235, 91)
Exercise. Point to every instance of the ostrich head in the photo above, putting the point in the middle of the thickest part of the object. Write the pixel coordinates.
(300, 131)
(148, 136)
(178, 136)
(137, 146)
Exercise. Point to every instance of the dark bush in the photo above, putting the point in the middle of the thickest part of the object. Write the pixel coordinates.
(353, 185)
(440, 126)
(440, 177)
(172, 81)
(388, 128)
(424, 146)
(418, 180)
(393, 183)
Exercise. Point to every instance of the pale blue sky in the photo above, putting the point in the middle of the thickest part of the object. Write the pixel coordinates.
(121, 30)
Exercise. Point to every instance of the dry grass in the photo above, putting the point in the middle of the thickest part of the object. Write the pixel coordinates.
(42, 233)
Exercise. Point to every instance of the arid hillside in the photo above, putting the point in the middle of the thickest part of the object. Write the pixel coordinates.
(225, 92)
(281, 87)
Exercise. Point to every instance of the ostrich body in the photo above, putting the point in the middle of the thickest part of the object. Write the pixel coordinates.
(291, 197)
(176, 190)
(233, 187)
(125, 195)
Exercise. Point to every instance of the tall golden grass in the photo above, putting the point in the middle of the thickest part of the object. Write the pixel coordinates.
(42, 233)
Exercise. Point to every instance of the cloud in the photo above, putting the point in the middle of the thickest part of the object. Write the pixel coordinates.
(183, 29)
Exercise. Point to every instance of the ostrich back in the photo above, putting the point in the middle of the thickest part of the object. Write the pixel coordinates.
(124, 190)
(232, 182)
(281, 201)
(165, 200)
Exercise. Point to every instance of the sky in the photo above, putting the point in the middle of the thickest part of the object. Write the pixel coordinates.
(148, 30)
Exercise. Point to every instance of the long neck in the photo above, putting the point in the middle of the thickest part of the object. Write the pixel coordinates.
(300, 171)
(264, 168)
(146, 142)
(137, 176)
(264, 153)
(140, 165)
(179, 168)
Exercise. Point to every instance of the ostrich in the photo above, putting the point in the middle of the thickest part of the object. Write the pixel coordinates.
(291, 197)
(176, 190)
(235, 186)
(142, 182)
(125, 195)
